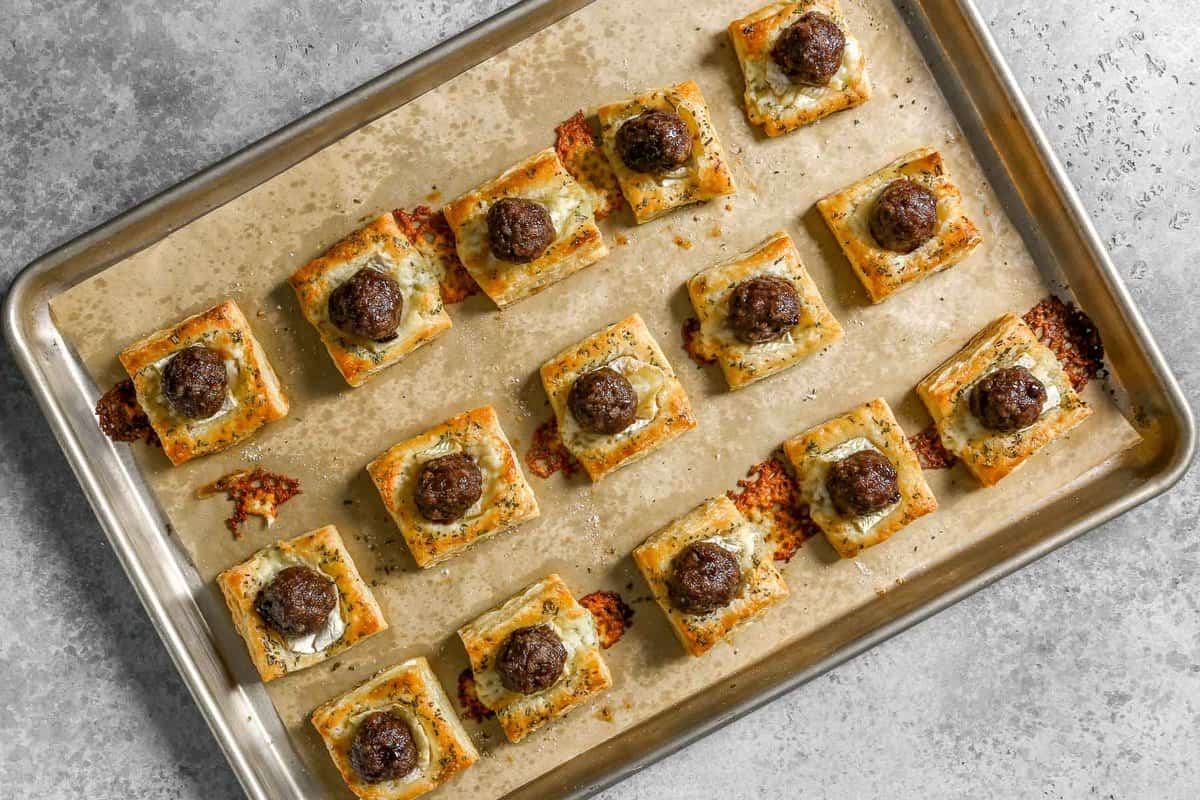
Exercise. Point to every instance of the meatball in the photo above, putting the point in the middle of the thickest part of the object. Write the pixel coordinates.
(654, 141)
(1008, 399)
(519, 230)
(448, 486)
(863, 482)
(383, 748)
(531, 659)
(603, 401)
(195, 382)
(368, 305)
(297, 601)
(809, 51)
(904, 216)
(763, 309)
(704, 577)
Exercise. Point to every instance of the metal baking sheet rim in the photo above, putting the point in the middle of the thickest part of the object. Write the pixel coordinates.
(134, 526)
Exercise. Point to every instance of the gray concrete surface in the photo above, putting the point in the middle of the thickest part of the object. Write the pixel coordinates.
(1078, 677)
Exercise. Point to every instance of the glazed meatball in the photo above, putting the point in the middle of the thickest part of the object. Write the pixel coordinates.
(368, 305)
(862, 483)
(531, 659)
(904, 216)
(809, 51)
(383, 748)
(519, 230)
(603, 401)
(654, 141)
(195, 382)
(448, 486)
(297, 601)
(1008, 399)
(763, 309)
(704, 577)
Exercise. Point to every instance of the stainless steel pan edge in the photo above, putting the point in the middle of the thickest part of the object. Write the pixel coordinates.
(135, 528)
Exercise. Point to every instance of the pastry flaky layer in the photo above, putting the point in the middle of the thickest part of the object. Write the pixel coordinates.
(991, 455)
(814, 452)
(254, 396)
(412, 692)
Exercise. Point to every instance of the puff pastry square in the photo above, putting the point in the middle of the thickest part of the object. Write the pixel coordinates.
(772, 99)
(507, 499)
(547, 602)
(663, 408)
(704, 177)
(869, 426)
(383, 246)
(254, 398)
(543, 179)
(744, 363)
(717, 520)
(323, 550)
(411, 691)
(946, 392)
(884, 272)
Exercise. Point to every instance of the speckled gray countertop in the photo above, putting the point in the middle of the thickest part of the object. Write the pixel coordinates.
(1077, 677)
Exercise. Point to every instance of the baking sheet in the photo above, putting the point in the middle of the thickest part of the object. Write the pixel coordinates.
(443, 144)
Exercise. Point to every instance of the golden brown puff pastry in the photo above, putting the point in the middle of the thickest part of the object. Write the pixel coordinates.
(547, 602)
(706, 174)
(884, 272)
(814, 452)
(411, 691)
(382, 246)
(745, 363)
(543, 179)
(989, 454)
(663, 410)
(506, 499)
(254, 396)
(772, 99)
(716, 520)
(357, 615)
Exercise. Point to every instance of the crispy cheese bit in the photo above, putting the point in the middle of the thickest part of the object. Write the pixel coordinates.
(547, 455)
(121, 417)
(468, 699)
(431, 235)
(930, 453)
(1071, 335)
(769, 496)
(694, 345)
(257, 491)
(580, 153)
(613, 617)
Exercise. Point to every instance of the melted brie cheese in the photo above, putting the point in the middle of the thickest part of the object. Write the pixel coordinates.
(863, 522)
(231, 373)
(774, 90)
(334, 626)
(420, 739)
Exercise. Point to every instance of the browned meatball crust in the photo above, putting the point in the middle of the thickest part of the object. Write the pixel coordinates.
(603, 401)
(904, 216)
(195, 382)
(862, 483)
(383, 748)
(531, 659)
(809, 51)
(763, 309)
(297, 601)
(1008, 399)
(448, 486)
(654, 141)
(704, 577)
(519, 230)
(369, 305)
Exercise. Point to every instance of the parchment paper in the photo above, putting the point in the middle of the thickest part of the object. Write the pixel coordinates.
(469, 130)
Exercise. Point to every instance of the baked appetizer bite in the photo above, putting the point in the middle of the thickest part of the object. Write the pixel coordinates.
(531, 227)
(299, 601)
(710, 572)
(664, 149)
(205, 384)
(396, 736)
(860, 478)
(373, 298)
(535, 657)
(615, 397)
(800, 63)
(901, 224)
(454, 485)
(1000, 399)
(760, 312)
